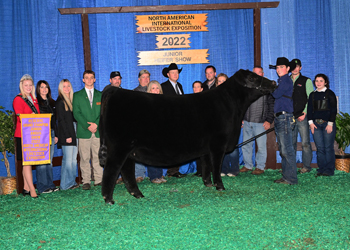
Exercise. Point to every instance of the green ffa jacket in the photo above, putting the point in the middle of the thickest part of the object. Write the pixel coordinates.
(84, 113)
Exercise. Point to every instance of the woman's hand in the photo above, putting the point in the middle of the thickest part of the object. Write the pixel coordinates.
(312, 128)
(329, 129)
(56, 139)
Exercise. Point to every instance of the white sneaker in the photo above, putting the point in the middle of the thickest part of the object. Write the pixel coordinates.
(222, 174)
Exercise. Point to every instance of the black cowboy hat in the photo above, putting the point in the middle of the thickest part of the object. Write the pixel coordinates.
(283, 61)
(172, 66)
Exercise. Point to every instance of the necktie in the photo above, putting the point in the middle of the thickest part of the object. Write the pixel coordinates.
(177, 89)
(90, 98)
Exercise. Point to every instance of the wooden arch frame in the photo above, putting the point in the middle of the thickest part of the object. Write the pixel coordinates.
(256, 6)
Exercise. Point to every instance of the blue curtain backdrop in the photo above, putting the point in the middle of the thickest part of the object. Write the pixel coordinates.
(36, 39)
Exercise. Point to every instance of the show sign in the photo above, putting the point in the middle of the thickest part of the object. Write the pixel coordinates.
(36, 138)
(173, 41)
(173, 56)
(171, 23)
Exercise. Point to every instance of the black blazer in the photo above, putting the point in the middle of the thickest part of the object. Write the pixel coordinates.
(65, 125)
(168, 88)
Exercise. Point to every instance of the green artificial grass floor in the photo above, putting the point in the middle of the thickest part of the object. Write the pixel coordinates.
(252, 213)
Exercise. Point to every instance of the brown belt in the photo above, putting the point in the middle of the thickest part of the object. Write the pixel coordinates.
(320, 121)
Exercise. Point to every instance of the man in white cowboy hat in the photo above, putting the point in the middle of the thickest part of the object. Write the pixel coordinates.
(172, 87)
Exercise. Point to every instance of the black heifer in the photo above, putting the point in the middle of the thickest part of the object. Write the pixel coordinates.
(163, 130)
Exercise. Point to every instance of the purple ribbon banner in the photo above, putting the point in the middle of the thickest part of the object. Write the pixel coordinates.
(36, 138)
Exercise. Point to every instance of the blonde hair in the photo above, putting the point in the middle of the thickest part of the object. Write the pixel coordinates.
(67, 101)
(219, 75)
(156, 83)
(24, 78)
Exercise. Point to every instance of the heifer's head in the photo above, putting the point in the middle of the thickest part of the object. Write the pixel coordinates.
(251, 80)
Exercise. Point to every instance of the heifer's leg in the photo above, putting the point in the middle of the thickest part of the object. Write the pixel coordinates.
(206, 167)
(114, 163)
(217, 159)
(128, 174)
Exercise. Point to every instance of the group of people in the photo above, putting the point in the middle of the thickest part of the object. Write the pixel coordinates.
(74, 127)
(173, 87)
(294, 107)
(298, 108)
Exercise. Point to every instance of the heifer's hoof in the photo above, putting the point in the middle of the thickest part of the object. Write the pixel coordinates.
(109, 202)
(137, 195)
(220, 188)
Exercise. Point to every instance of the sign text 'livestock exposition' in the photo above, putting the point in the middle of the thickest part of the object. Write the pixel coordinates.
(171, 23)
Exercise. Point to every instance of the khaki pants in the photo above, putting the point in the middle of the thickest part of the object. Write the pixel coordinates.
(89, 148)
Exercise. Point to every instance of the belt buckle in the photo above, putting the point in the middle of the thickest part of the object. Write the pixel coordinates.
(280, 113)
(319, 121)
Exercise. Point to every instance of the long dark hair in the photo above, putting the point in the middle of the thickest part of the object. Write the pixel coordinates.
(48, 96)
(325, 78)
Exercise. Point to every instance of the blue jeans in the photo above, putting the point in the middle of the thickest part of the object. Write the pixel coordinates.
(44, 172)
(251, 129)
(154, 172)
(140, 170)
(284, 126)
(325, 148)
(69, 166)
(230, 164)
(303, 128)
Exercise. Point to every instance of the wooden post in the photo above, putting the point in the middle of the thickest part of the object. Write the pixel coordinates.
(257, 37)
(86, 41)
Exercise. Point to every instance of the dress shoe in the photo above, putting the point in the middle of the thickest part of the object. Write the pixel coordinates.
(139, 179)
(244, 169)
(98, 184)
(156, 181)
(258, 171)
(35, 197)
(281, 181)
(86, 186)
(177, 175)
(25, 192)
